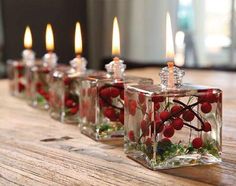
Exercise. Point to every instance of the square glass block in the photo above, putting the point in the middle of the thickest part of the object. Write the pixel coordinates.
(173, 128)
(64, 94)
(40, 83)
(102, 106)
(16, 74)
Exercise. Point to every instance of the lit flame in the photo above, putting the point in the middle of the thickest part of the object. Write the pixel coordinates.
(49, 38)
(169, 38)
(78, 39)
(115, 38)
(28, 38)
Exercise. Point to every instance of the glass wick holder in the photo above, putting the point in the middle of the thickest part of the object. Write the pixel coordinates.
(173, 124)
(116, 68)
(171, 76)
(41, 81)
(64, 91)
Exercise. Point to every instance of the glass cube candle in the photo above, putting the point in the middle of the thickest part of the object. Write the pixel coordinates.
(102, 102)
(40, 81)
(16, 75)
(173, 126)
(64, 91)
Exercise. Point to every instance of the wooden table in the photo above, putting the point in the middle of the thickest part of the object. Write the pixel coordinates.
(36, 150)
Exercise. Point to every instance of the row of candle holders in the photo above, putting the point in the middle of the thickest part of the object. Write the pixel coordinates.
(162, 127)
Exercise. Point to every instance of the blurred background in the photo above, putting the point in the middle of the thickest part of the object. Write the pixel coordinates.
(204, 30)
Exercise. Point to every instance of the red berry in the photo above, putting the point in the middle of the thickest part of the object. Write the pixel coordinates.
(168, 131)
(66, 80)
(208, 96)
(164, 115)
(46, 96)
(211, 97)
(175, 110)
(110, 113)
(141, 98)
(105, 92)
(197, 143)
(158, 98)
(188, 115)
(70, 103)
(114, 92)
(21, 87)
(206, 107)
(132, 107)
(122, 94)
(131, 135)
(207, 127)
(149, 141)
(41, 91)
(20, 67)
(121, 117)
(74, 110)
(39, 85)
(178, 123)
(156, 106)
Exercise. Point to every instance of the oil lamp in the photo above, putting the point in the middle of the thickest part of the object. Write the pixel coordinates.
(102, 97)
(41, 74)
(173, 124)
(65, 81)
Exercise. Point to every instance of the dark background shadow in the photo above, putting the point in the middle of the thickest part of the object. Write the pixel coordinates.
(63, 15)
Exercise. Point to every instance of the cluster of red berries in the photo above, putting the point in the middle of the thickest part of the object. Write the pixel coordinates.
(42, 90)
(176, 116)
(44, 70)
(21, 87)
(206, 99)
(20, 73)
(109, 95)
(197, 143)
(20, 70)
(71, 103)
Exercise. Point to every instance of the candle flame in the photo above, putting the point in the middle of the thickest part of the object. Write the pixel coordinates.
(78, 39)
(115, 38)
(28, 38)
(49, 38)
(169, 38)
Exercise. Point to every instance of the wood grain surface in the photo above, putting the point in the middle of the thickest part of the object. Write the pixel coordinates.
(37, 150)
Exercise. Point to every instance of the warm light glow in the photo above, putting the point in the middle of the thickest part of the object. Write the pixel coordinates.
(180, 48)
(78, 39)
(115, 38)
(49, 38)
(28, 38)
(169, 38)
